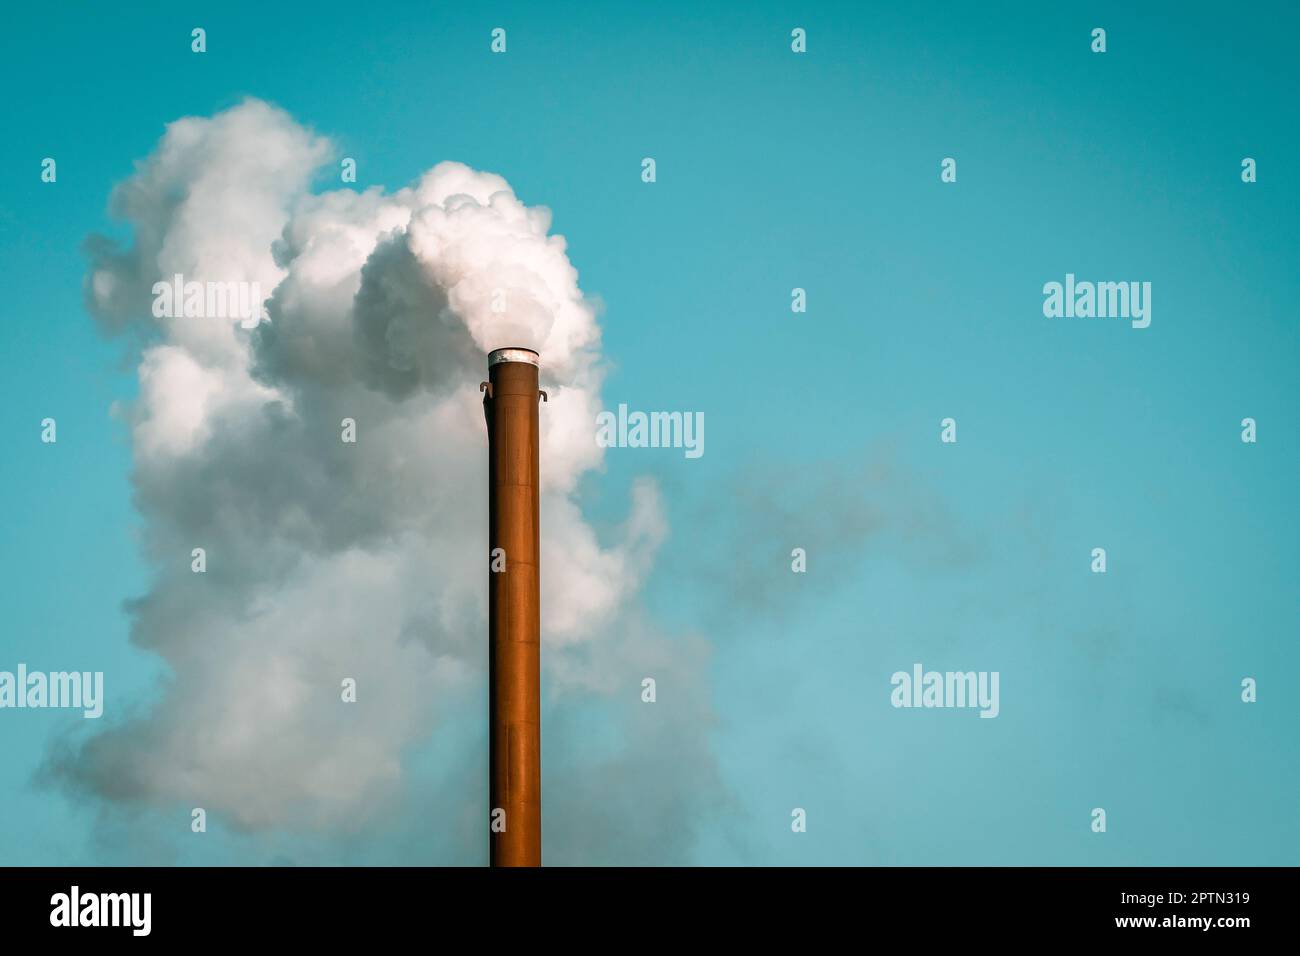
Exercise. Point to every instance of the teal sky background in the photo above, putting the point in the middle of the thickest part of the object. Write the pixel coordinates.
(778, 170)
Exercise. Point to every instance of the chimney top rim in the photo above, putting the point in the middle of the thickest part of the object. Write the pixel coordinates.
(513, 354)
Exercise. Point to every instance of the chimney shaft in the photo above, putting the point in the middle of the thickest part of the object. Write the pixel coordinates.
(510, 404)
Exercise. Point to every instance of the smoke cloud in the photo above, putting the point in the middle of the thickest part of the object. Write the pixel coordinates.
(329, 560)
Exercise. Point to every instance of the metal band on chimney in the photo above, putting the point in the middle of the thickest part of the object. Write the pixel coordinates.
(498, 356)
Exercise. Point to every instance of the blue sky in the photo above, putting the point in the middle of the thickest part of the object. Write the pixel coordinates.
(777, 170)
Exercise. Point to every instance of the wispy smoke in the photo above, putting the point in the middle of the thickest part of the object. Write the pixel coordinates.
(328, 560)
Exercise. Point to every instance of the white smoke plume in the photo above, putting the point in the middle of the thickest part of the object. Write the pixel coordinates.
(328, 560)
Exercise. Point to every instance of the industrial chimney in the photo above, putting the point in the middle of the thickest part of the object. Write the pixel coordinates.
(510, 403)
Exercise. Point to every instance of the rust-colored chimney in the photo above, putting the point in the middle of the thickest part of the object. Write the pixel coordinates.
(510, 402)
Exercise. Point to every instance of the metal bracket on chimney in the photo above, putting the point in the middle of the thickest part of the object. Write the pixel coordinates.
(485, 387)
(542, 393)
